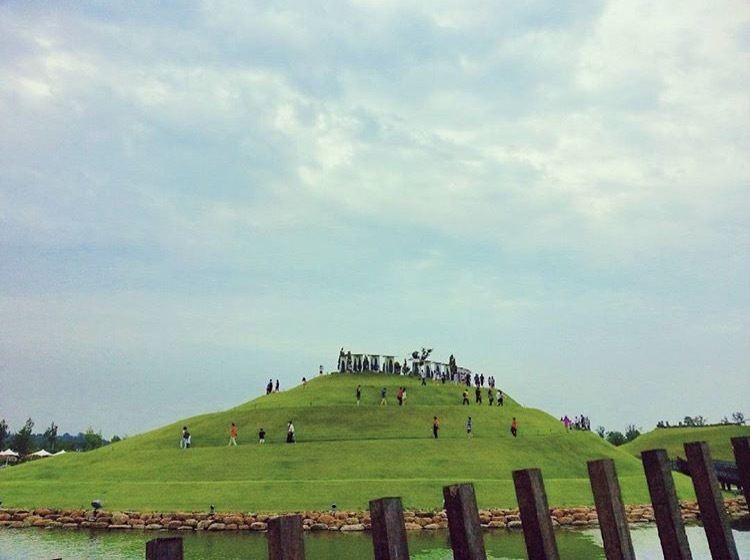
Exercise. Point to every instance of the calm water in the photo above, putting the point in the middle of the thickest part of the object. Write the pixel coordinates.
(38, 544)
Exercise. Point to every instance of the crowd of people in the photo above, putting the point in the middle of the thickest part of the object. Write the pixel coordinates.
(578, 423)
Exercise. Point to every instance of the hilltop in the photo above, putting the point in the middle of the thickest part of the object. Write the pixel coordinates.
(673, 439)
(346, 454)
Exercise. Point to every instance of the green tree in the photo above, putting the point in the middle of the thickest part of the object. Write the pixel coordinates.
(601, 431)
(737, 417)
(616, 438)
(50, 437)
(115, 439)
(4, 434)
(631, 432)
(92, 439)
(22, 439)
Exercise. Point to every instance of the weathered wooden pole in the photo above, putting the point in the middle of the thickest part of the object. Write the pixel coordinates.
(169, 548)
(388, 530)
(285, 538)
(674, 543)
(710, 502)
(741, 446)
(613, 521)
(463, 522)
(535, 518)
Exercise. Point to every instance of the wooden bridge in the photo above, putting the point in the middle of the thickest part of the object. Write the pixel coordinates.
(285, 533)
(727, 472)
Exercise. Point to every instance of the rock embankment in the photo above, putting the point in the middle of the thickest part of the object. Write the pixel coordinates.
(318, 521)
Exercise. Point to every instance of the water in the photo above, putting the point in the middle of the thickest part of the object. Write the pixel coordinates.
(40, 544)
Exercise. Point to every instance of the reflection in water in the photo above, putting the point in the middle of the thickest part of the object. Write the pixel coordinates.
(34, 544)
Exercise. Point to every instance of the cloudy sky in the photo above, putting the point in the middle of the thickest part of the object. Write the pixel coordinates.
(197, 197)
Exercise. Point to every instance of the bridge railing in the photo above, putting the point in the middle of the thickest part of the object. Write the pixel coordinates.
(285, 533)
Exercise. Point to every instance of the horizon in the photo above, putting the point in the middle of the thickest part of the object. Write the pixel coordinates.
(194, 200)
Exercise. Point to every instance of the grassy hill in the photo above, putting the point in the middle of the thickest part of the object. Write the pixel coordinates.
(346, 454)
(673, 439)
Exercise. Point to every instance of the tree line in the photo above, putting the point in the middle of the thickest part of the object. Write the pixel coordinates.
(25, 441)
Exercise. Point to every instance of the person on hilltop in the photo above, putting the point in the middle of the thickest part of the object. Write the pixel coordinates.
(304, 382)
(261, 436)
(490, 396)
(435, 426)
(478, 395)
(290, 432)
(500, 398)
(320, 370)
(185, 439)
(514, 427)
(277, 386)
(269, 387)
(383, 402)
(466, 398)
(232, 435)
(469, 427)
(359, 393)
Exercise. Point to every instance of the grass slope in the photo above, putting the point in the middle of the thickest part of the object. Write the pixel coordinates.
(345, 454)
(673, 439)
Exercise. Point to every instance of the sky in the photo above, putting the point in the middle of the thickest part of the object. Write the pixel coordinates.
(197, 197)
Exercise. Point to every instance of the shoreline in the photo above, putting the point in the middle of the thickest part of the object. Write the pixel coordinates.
(343, 521)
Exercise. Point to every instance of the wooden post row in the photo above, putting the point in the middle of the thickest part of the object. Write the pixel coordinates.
(285, 539)
(535, 518)
(164, 549)
(613, 521)
(710, 502)
(463, 522)
(741, 446)
(388, 529)
(674, 543)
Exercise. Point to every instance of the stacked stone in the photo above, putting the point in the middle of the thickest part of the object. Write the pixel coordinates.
(420, 520)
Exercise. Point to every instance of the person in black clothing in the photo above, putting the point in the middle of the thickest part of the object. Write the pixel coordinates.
(481, 380)
(359, 393)
(269, 387)
(277, 385)
(478, 395)
(490, 397)
(435, 427)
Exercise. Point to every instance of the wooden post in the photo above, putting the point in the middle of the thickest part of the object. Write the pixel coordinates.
(285, 538)
(674, 543)
(710, 502)
(741, 446)
(535, 519)
(463, 522)
(613, 522)
(388, 530)
(164, 549)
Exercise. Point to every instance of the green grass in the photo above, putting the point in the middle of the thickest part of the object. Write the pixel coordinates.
(345, 454)
(673, 439)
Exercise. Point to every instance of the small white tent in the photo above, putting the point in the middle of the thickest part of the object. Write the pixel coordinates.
(42, 453)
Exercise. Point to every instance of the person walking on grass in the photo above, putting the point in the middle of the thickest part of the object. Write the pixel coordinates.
(466, 398)
(290, 432)
(490, 396)
(400, 396)
(514, 427)
(185, 440)
(435, 427)
(469, 427)
(478, 395)
(232, 435)
(359, 393)
(277, 386)
(261, 436)
(403, 396)
(500, 398)
(383, 402)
